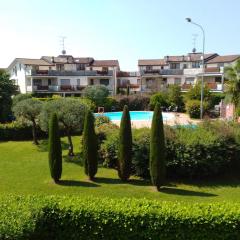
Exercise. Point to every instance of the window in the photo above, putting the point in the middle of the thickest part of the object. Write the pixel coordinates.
(104, 69)
(80, 67)
(65, 82)
(60, 67)
(218, 79)
(177, 81)
(78, 82)
(196, 65)
(174, 65)
(91, 82)
(37, 82)
(148, 68)
(49, 82)
(104, 82)
(189, 81)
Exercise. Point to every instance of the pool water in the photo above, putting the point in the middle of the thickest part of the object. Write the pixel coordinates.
(135, 115)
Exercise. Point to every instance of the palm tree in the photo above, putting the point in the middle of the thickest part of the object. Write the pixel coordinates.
(232, 74)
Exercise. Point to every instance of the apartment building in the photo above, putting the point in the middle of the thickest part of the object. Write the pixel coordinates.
(185, 70)
(64, 74)
(129, 79)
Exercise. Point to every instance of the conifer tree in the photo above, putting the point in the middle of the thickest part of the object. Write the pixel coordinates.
(157, 149)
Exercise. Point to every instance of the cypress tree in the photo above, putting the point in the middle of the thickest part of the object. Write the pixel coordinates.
(157, 149)
(125, 146)
(54, 149)
(90, 146)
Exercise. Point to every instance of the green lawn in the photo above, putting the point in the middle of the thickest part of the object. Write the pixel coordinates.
(24, 170)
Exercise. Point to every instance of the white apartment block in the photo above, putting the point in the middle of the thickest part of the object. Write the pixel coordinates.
(63, 74)
(66, 74)
(185, 70)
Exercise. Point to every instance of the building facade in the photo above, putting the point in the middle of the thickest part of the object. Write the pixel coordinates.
(66, 74)
(63, 74)
(185, 71)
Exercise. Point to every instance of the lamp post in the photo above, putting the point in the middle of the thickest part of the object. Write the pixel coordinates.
(203, 48)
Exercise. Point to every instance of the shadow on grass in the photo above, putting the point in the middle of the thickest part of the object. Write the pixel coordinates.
(216, 183)
(43, 145)
(74, 183)
(184, 192)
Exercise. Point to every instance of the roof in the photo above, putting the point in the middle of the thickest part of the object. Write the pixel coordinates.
(224, 59)
(191, 57)
(29, 61)
(105, 63)
(151, 62)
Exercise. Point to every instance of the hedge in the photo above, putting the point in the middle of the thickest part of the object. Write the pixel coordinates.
(18, 132)
(73, 218)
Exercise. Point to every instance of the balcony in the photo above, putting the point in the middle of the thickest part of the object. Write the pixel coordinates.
(186, 86)
(56, 73)
(162, 72)
(132, 86)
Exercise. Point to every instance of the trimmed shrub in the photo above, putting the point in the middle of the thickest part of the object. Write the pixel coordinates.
(73, 218)
(157, 149)
(16, 131)
(193, 108)
(54, 149)
(19, 97)
(90, 146)
(125, 146)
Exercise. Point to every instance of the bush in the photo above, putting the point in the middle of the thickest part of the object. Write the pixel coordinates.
(160, 98)
(193, 108)
(209, 151)
(175, 97)
(19, 97)
(134, 102)
(101, 119)
(74, 218)
(17, 131)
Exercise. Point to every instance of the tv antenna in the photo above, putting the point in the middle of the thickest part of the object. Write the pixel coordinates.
(194, 40)
(62, 43)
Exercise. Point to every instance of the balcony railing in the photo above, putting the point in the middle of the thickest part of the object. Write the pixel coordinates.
(212, 70)
(162, 72)
(70, 73)
(130, 85)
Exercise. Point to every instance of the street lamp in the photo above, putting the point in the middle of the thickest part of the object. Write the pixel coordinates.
(203, 48)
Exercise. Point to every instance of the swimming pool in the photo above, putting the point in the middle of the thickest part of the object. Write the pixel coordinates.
(135, 115)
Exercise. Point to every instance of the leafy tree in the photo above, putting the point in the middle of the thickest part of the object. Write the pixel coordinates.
(194, 92)
(175, 96)
(29, 110)
(96, 93)
(157, 149)
(70, 114)
(90, 146)
(125, 146)
(54, 149)
(7, 90)
(19, 97)
(161, 98)
(232, 90)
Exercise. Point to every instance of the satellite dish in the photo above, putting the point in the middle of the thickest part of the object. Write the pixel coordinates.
(194, 50)
(63, 52)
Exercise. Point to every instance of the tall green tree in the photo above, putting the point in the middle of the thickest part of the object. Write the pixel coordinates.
(54, 149)
(157, 149)
(7, 90)
(29, 110)
(232, 88)
(90, 146)
(125, 146)
(70, 114)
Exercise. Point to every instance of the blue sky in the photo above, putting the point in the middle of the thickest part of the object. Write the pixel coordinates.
(126, 30)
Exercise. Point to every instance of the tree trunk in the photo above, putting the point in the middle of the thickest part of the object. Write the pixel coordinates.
(34, 132)
(70, 148)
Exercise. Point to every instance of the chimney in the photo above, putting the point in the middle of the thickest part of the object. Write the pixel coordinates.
(166, 58)
(52, 59)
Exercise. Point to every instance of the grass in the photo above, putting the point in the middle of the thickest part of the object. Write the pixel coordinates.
(24, 170)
